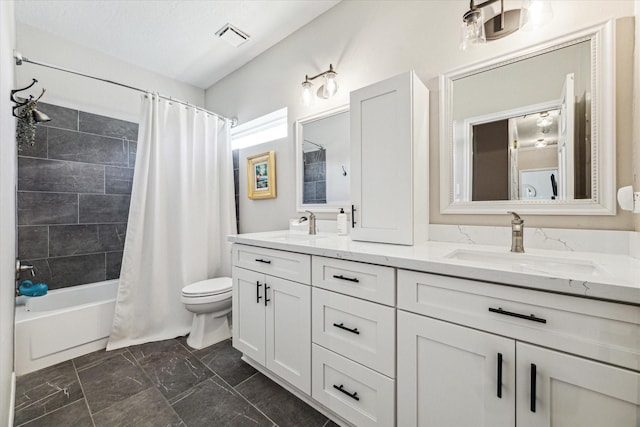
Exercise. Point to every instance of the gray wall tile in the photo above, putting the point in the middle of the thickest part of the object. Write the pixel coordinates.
(114, 264)
(83, 147)
(118, 180)
(47, 208)
(107, 126)
(133, 148)
(33, 242)
(61, 117)
(108, 208)
(39, 147)
(68, 271)
(59, 176)
(68, 240)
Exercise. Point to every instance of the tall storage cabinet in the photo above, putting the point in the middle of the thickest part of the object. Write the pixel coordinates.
(390, 161)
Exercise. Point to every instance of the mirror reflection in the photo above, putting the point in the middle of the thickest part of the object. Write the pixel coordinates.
(521, 131)
(323, 161)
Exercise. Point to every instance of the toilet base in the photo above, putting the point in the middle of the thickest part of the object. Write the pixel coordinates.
(207, 330)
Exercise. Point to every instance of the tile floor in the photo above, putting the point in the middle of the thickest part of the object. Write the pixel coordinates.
(164, 383)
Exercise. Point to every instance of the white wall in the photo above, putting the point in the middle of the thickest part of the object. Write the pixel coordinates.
(367, 41)
(86, 94)
(7, 212)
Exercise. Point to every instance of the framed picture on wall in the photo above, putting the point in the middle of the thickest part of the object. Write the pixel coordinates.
(261, 176)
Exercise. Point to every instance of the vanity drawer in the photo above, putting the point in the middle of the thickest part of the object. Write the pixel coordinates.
(287, 265)
(360, 330)
(358, 394)
(599, 330)
(371, 282)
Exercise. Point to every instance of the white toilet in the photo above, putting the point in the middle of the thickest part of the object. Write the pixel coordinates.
(210, 303)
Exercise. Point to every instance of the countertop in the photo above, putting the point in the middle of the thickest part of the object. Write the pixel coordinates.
(614, 278)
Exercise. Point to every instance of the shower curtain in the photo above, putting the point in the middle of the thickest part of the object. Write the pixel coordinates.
(182, 209)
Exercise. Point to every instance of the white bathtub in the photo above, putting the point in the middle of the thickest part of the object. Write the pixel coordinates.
(63, 324)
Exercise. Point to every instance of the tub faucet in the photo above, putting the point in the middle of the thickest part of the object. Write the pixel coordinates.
(517, 228)
(312, 223)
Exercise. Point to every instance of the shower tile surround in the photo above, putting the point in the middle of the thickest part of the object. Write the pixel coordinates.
(315, 171)
(162, 383)
(74, 187)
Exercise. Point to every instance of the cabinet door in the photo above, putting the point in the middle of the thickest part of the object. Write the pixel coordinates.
(381, 161)
(559, 390)
(288, 326)
(449, 375)
(248, 313)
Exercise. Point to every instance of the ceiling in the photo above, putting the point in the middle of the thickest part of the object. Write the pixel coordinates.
(172, 38)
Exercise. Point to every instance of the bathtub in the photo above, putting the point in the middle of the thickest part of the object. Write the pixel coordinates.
(63, 324)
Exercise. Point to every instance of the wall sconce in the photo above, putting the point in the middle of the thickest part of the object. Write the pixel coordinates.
(475, 29)
(326, 91)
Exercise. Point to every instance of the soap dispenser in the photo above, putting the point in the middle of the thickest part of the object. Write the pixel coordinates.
(342, 223)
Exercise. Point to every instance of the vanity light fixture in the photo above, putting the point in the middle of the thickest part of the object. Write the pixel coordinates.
(475, 29)
(327, 90)
(545, 120)
(540, 143)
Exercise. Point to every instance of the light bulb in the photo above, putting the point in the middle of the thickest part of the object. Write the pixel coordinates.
(306, 97)
(540, 143)
(535, 14)
(472, 29)
(330, 85)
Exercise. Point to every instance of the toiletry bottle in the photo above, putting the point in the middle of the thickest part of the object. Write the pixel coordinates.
(342, 223)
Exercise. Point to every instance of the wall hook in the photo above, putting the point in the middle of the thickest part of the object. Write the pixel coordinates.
(26, 101)
(344, 171)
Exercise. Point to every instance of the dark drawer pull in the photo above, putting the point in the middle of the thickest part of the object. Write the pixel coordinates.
(353, 216)
(266, 288)
(533, 387)
(341, 326)
(258, 297)
(353, 395)
(518, 315)
(499, 375)
(265, 261)
(348, 279)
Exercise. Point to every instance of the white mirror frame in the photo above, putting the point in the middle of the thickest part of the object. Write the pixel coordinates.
(300, 207)
(603, 135)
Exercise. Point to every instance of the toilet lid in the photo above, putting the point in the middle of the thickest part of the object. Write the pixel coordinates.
(208, 287)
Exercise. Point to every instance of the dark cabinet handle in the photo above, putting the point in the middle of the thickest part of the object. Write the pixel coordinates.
(353, 395)
(264, 261)
(533, 387)
(266, 300)
(499, 375)
(531, 317)
(353, 216)
(341, 326)
(258, 297)
(348, 279)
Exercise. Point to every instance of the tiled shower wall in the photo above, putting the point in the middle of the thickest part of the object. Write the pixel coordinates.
(74, 187)
(315, 184)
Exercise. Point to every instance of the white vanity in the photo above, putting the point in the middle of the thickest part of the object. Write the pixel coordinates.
(383, 335)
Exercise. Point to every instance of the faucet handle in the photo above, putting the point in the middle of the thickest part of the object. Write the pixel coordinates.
(516, 218)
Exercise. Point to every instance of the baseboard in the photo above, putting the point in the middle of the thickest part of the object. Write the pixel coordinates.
(300, 395)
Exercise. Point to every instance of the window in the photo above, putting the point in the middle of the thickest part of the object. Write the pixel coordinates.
(267, 128)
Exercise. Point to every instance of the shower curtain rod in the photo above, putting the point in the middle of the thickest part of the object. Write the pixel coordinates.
(20, 59)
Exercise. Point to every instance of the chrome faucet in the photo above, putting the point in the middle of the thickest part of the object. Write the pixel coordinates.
(517, 229)
(312, 222)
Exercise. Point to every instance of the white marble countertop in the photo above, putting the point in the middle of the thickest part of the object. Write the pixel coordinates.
(614, 277)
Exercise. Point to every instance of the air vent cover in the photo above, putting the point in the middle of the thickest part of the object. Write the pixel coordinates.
(232, 35)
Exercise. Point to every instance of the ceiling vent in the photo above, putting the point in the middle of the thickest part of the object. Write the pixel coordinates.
(232, 35)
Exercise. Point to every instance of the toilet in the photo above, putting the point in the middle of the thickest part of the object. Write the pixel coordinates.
(210, 302)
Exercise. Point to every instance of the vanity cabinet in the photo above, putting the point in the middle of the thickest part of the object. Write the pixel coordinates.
(518, 364)
(271, 315)
(353, 334)
(390, 161)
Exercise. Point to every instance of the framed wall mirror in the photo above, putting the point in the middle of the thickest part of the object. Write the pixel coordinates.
(322, 161)
(533, 131)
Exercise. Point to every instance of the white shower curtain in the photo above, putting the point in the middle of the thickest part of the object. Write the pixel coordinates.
(182, 209)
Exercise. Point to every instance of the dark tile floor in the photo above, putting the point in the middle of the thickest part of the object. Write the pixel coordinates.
(164, 383)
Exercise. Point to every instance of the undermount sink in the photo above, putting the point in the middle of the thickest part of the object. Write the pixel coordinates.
(527, 262)
(294, 236)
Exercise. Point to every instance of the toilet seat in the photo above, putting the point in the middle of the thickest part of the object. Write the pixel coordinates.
(209, 287)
